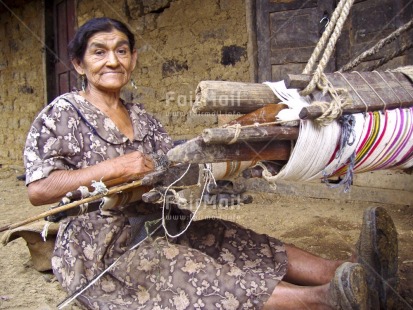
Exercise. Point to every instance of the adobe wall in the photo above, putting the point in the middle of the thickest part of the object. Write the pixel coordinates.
(21, 77)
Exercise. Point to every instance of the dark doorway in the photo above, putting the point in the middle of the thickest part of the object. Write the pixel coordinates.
(59, 30)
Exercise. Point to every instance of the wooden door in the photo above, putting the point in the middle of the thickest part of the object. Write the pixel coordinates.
(370, 21)
(64, 21)
(287, 32)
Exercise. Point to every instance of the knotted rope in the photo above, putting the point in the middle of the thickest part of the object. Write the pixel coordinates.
(327, 43)
(331, 110)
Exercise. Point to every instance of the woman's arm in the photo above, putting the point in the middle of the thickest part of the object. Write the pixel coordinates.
(60, 182)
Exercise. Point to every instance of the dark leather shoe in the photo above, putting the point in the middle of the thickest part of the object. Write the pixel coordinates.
(348, 289)
(377, 252)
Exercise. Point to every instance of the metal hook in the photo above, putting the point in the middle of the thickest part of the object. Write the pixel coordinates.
(323, 19)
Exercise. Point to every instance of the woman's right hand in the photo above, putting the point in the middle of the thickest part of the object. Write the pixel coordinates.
(132, 163)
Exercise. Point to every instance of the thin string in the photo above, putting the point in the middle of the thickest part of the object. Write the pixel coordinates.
(45, 230)
(237, 132)
(388, 85)
(207, 181)
(365, 104)
(371, 87)
(67, 301)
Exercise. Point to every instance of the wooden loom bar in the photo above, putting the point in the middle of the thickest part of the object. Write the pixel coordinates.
(249, 134)
(365, 88)
(231, 97)
(370, 91)
(197, 151)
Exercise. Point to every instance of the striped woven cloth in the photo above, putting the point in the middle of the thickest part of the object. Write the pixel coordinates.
(386, 142)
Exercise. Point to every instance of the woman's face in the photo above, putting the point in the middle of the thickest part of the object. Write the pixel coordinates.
(108, 61)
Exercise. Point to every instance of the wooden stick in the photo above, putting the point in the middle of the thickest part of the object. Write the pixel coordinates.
(146, 182)
(231, 97)
(197, 151)
(249, 134)
(299, 81)
(111, 191)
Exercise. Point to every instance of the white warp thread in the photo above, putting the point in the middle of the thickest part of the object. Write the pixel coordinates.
(314, 148)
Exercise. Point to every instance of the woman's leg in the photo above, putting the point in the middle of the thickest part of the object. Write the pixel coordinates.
(305, 268)
(288, 296)
(346, 290)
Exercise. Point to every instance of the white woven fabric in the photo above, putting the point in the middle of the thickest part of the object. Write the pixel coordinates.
(314, 148)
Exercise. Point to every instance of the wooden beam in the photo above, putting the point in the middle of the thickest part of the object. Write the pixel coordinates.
(197, 151)
(249, 134)
(231, 97)
(370, 91)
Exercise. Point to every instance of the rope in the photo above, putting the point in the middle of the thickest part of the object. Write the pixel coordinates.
(208, 178)
(398, 52)
(237, 132)
(374, 49)
(328, 41)
(323, 40)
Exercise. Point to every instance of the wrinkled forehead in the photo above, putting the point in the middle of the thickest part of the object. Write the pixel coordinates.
(108, 39)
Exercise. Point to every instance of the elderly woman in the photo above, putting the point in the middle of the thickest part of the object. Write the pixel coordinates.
(93, 134)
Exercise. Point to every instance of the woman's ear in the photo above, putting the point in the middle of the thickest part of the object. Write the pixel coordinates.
(77, 64)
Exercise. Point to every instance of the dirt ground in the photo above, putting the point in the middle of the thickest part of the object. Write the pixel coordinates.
(324, 227)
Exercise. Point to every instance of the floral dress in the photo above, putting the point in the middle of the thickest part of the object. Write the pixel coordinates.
(215, 264)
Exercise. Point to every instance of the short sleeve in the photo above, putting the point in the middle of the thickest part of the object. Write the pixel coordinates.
(53, 143)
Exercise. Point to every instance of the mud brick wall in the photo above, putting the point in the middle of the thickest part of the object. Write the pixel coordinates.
(21, 77)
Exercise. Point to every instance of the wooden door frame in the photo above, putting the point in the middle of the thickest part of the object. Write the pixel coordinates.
(51, 30)
(252, 47)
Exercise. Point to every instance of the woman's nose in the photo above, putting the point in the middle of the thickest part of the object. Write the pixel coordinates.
(112, 59)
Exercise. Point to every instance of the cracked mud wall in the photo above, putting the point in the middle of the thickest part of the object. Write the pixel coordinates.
(21, 77)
